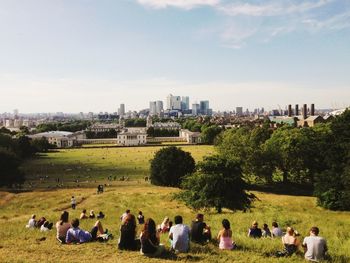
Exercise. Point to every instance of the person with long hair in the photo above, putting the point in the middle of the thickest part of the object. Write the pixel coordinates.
(62, 227)
(290, 243)
(225, 236)
(150, 245)
(128, 239)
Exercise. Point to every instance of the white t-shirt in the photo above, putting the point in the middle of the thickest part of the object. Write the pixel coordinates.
(31, 223)
(316, 247)
(181, 237)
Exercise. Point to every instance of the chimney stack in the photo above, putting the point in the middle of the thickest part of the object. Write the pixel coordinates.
(296, 109)
(312, 111)
(289, 110)
(305, 111)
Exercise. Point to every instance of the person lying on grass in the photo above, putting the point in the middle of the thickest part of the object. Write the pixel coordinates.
(77, 235)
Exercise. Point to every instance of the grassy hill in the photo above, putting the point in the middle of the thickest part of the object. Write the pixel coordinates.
(18, 244)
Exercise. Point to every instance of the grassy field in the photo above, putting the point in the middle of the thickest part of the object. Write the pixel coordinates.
(19, 244)
(91, 166)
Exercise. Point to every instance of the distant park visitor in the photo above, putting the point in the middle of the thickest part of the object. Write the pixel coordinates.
(276, 230)
(31, 222)
(254, 231)
(141, 218)
(83, 214)
(315, 246)
(100, 215)
(73, 202)
(266, 231)
(124, 215)
(92, 214)
(290, 243)
(200, 231)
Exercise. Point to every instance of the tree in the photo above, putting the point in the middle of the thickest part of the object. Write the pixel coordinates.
(209, 134)
(170, 165)
(41, 145)
(332, 185)
(9, 173)
(218, 183)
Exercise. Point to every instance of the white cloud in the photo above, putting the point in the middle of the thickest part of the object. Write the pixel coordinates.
(336, 22)
(270, 8)
(184, 4)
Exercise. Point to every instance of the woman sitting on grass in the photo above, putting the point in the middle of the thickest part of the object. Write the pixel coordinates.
(62, 227)
(150, 245)
(83, 215)
(128, 239)
(225, 236)
(77, 235)
(290, 243)
(164, 226)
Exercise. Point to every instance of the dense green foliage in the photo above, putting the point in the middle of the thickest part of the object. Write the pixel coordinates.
(170, 165)
(192, 125)
(9, 173)
(318, 157)
(137, 122)
(152, 132)
(72, 126)
(209, 133)
(217, 183)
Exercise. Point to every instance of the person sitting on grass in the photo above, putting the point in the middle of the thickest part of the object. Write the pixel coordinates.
(100, 215)
(62, 227)
(276, 231)
(179, 234)
(149, 237)
(290, 243)
(124, 215)
(141, 218)
(266, 231)
(77, 235)
(164, 226)
(31, 222)
(200, 231)
(92, 214)
(315, 247)
(83, 215)
(40, 222)
(46, 226)
(225, 236)
(128, 239)
(254, 231)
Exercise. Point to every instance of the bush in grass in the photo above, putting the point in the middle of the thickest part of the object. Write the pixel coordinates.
(170, 165)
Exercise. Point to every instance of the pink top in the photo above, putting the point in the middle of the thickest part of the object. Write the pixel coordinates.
(225, 243)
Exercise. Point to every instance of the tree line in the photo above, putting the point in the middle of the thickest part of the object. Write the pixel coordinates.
(316, 157)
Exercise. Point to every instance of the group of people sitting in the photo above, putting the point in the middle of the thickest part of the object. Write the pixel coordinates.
(315, 247)
(178, 233)
(69, 232)
(42, 223)
(91, 215)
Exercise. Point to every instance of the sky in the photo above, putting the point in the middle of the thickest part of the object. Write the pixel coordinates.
(85, 55)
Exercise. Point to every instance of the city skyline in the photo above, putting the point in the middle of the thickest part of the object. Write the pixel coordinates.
(91, 56)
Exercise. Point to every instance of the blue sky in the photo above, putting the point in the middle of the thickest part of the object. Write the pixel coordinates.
(84, 55)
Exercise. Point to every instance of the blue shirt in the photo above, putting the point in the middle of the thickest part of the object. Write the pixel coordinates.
(77, 235)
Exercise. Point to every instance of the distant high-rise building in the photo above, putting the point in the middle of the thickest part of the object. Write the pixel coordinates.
(185, 103)
(159, 107)
(121, 110)
(195, 109)
(204, 107)
(239, 111)
(15, 113)
(173, 102)
(152, 108)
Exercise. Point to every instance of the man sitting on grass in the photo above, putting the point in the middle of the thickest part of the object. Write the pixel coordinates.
(77, 235)
(315, 247)
(200, 231)
(179, 236)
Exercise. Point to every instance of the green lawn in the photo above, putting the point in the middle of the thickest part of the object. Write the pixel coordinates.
(18, 244)
(82, 167)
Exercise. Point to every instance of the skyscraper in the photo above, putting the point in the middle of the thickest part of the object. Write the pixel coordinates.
(185, 103)
(239, 111)
(159, 106)
(173, 102)
(152, 108)
(195, 109)
(121, 110)
(204, 106)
